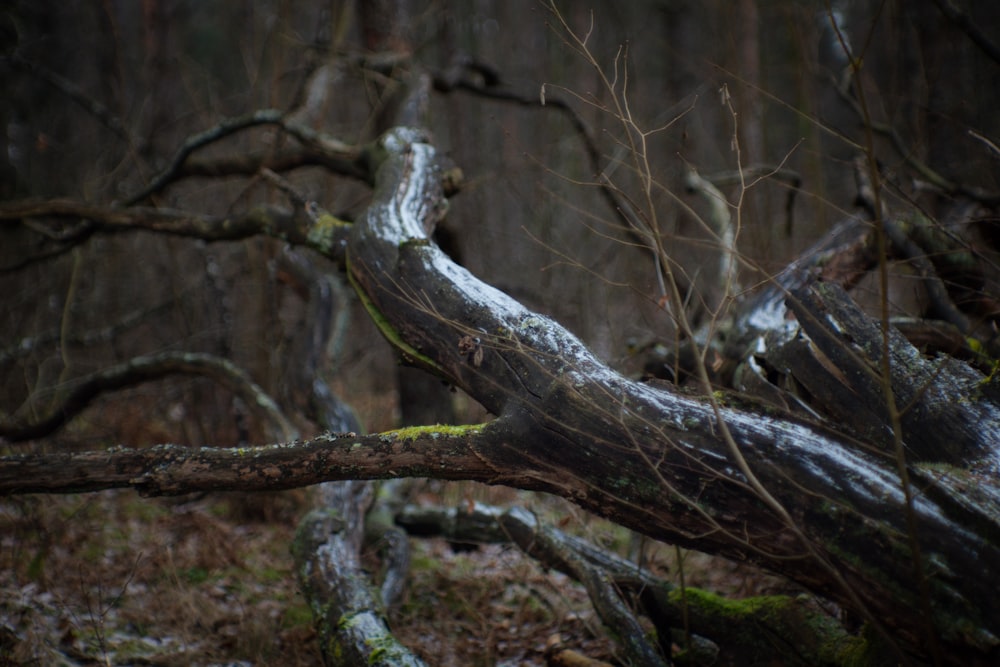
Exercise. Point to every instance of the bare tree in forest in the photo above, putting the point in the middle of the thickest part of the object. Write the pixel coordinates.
(781, 425)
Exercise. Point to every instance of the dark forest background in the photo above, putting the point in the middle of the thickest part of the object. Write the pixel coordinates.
(98, 96)
(527, 220)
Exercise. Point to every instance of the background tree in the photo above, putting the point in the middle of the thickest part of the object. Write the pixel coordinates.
(589, 178)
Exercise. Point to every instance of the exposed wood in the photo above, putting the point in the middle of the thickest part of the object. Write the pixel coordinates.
(945, 419)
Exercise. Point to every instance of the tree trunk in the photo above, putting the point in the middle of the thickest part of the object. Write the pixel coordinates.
(818, 506)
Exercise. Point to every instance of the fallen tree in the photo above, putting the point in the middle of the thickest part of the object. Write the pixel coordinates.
(909, 546)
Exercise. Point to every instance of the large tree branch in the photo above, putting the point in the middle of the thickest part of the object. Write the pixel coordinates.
(440, 452)
(650, 459)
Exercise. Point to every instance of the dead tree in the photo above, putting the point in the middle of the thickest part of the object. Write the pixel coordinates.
(906, 538)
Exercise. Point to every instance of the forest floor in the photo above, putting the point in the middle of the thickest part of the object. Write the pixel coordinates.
(114, 579)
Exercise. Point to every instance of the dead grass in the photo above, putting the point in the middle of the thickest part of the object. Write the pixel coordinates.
(112, 578)
(491, 606)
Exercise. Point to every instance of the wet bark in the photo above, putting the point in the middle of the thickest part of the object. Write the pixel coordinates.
(348, 617)
(816, 500)
(348, 613)
(658, 461)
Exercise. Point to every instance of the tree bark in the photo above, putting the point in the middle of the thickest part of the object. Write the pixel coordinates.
(327, 550)
(659, 462)
(818, 505)
(764, 630)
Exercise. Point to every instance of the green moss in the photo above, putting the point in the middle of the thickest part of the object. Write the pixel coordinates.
(718, 606)
(324, 232)
(772, 626)
(409, 352)
(989, 386)
(349, 620)
(384, 649)
(433, 431)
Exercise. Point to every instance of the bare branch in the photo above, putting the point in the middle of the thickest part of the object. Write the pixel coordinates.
(264, 221)
(334, 152)
(172, 469)
(489, 86)
(70, 402)
(71, 90)
(966, 25)
(279, 161)
(925, 171)
(327, 549)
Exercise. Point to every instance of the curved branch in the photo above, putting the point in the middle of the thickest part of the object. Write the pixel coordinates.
(71, 90)
(223, 129)
(575, 419)
(283, 160)
(144, 369)
(336, 152)
(985, 197)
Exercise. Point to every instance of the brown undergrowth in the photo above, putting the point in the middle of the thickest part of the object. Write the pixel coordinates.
(111, 578)
(114, 579)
